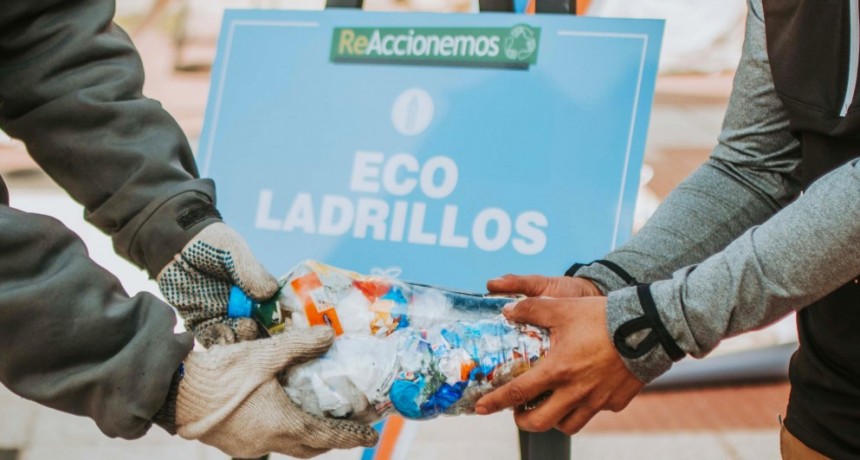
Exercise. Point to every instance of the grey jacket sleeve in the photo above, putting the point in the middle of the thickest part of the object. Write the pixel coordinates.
(70, 88)
(72, 339)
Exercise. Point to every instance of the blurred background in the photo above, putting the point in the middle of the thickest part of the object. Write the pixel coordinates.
(722, 407)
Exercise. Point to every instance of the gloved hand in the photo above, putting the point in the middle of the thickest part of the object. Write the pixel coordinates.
(230, 398)
(198, 280)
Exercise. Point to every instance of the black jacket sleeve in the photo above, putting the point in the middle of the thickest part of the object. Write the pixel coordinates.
(70, 337)
(70, 88)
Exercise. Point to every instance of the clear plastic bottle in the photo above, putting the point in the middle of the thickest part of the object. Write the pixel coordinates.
(417, 350)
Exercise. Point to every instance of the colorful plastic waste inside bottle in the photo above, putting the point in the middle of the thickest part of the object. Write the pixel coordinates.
(266, 312)
(417, 350)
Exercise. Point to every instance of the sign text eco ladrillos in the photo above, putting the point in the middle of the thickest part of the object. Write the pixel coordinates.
(514, 47)
(368, 212)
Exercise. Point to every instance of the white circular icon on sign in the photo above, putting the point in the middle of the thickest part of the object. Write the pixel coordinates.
(412, 111)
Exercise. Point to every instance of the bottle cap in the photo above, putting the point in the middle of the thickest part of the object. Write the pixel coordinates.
(239, 305)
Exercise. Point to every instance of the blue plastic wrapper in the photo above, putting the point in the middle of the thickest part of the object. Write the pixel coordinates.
(417, 350)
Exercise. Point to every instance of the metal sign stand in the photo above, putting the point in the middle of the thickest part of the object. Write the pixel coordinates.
(553, 444)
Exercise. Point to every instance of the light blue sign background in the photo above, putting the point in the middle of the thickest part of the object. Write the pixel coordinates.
(564, 138)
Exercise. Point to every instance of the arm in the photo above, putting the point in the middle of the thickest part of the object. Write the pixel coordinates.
(764, 273)
(801, 254)
(70, 88)
(750, 176)
(795, 257)
(74, 341)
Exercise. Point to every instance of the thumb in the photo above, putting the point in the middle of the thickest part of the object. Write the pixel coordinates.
(291, 347)
(542, 312)
(245, 270)
(250, 275)
(340, 434)
(226, 332)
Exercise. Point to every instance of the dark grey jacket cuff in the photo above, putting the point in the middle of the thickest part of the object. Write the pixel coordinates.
(163, 228)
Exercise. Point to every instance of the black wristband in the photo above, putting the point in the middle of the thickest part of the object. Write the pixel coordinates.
(649, 320)
(615, 268)
(573, 269)
(612, 266)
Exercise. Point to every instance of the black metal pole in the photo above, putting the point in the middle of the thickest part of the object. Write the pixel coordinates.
(551, 445)
(359, 4)
(503, 6)
(555, 6)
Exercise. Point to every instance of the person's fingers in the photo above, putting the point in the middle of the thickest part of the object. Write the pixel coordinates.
(549, 412)
(536, 311)
(576, 420)
(214, 334)
(247, 272)
(339, 434)
(245, 329)
(530, 285)
(518, 391)
(289, 348)
(319, 432)
(220, 252)
(300, 451)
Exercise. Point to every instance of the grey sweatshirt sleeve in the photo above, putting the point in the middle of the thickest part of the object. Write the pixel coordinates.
(738, 250)
(751, 175)
(70, 88)
(801, 254)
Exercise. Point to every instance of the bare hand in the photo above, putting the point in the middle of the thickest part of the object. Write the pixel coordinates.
(582, 369)
(543, 286)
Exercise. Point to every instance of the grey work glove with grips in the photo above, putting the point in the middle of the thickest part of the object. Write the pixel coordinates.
(197, 282)
(230, 398)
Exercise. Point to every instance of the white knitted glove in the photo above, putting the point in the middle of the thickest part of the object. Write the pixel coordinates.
(230, 398)
(198, 280)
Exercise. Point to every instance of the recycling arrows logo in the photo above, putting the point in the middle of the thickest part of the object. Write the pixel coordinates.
(521, 43)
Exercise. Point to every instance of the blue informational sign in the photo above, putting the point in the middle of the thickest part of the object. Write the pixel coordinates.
(453, 147)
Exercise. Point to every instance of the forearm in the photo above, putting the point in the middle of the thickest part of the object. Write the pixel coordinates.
(699, 218)
(803, 253)
(72, 339)
(70, 86)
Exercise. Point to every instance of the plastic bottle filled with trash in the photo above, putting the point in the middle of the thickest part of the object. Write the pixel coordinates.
(402, 347)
